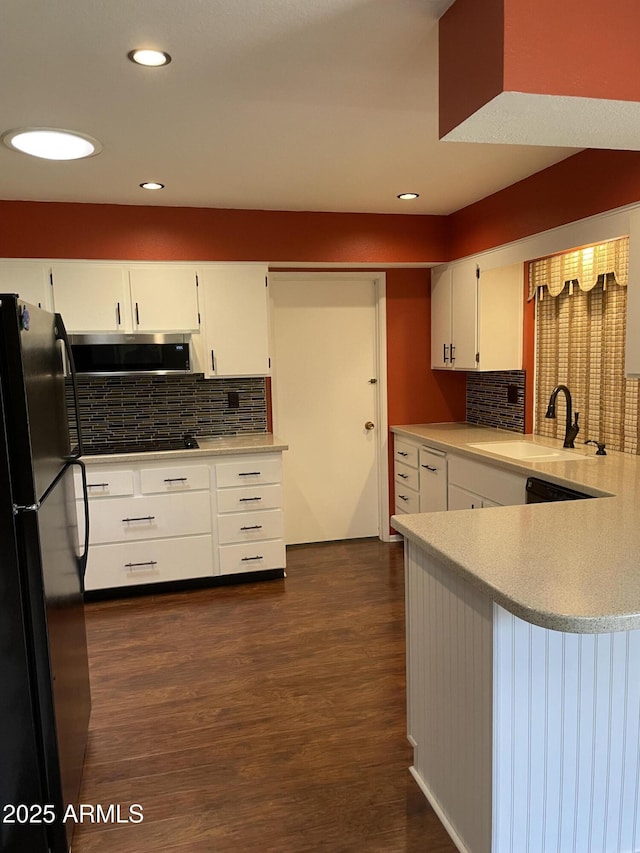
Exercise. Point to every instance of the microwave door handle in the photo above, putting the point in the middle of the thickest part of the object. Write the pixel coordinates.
(62, 335)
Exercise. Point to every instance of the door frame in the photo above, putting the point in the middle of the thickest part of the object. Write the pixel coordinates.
(379, 282)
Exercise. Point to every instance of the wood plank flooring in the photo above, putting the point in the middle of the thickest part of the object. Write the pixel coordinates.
(258, 717)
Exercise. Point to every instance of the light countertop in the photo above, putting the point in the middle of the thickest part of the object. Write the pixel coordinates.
(570, 566)
(213, 446)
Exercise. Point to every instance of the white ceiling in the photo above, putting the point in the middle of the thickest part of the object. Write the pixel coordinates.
(268, 104)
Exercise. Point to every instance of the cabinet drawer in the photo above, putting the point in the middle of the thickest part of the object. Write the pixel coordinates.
(406, 475)
(174, 479)
(127, 519)
(406, 453)
(406, 499)
(248, 498)
(249, 526)
(252, 557)
(134, 563)
(254, 470)
(433, 481)
(105, 483)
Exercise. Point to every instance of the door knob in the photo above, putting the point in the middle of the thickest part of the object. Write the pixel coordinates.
(369, 425)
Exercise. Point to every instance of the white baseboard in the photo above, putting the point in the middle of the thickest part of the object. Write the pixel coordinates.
(453, 835)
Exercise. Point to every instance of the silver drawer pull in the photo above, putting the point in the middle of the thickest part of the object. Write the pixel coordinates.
(249, 473)
(137, 565)
(429, 468)
(248, 559)
(242, 500)
(141, 518)
(252, 527)
(403, 497)
(97, 485)
(402, 453)
(404, 476)
(175, 479)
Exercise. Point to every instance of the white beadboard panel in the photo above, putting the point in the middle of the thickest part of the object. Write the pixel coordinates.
(566, 740)
(450, 659)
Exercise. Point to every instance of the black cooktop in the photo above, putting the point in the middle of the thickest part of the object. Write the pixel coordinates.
(186, 442)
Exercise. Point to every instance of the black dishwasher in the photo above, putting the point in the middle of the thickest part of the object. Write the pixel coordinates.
(541, 491)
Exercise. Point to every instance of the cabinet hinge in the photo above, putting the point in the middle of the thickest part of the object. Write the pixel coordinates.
(477, 358)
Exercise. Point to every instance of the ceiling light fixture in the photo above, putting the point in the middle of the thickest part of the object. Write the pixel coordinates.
(149, 58)
(51, 143)
(408, 196)
(151, 185)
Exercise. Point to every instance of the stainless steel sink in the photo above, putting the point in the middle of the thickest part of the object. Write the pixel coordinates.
(527, 451)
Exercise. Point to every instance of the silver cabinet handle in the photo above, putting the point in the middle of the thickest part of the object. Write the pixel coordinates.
(453, 351)
(141, 518)
(137, 315)
(249, 473)
(213, 362)
(404, 476)
(445, 357)
(429, 467)
(138, 565)
(403, 497)
(175, 479)
(97, 485)
(242, 500)
(248, 559)
(118, 313)
(252, 527)
(402, 453)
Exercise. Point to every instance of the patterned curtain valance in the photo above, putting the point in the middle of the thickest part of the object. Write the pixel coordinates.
(582, 267)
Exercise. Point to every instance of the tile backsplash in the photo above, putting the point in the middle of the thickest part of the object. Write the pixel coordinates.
(490, 396)
(125, 408)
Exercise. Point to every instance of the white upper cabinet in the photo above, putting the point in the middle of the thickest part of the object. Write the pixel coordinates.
(476, 317)
(632, 339)
(92, 297)
(29, 279)
(100, 297)
(164, 298)
(235, 324)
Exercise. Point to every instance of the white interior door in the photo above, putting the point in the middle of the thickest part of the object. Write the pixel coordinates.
(324, 356)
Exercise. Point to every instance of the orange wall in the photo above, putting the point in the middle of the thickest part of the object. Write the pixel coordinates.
(584, 185)
(109, 231)
(415, 393)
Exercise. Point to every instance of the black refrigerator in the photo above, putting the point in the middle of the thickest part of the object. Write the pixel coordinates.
(44, 680)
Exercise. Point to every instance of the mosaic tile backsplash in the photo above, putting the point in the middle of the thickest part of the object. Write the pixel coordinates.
(125, 408)
(489, 395)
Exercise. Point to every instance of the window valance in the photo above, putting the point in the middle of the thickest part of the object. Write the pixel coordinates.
(582, 267)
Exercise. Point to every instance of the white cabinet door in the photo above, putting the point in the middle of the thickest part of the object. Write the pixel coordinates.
(92, 297)
(464, 313)
(441, 318)
(164, 298)
(29, 280)
(235, 320)
(500, 306)
(632, 338)
(433, 481)
(462, 499)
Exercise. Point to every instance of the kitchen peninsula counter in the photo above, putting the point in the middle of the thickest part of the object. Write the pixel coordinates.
(523, 653)
(569, 566)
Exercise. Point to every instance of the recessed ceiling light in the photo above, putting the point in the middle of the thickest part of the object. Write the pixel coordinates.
(51, 143)
(408, 196)
(150, 58)
(152, 185)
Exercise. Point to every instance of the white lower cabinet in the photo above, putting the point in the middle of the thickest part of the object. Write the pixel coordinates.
(248, 505)
(474, 485)
(151, 522)
(420, 477)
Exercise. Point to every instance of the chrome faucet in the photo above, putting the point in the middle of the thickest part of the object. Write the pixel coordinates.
(572, 427)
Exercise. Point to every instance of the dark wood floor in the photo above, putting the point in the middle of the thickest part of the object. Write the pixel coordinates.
(260, 717)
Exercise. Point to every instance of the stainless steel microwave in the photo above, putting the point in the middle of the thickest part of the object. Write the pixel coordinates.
(123, 355)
